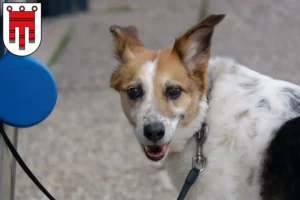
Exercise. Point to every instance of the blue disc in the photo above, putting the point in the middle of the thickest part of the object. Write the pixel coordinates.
(28, 91)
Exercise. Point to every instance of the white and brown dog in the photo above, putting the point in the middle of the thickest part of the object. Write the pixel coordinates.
(253, 141)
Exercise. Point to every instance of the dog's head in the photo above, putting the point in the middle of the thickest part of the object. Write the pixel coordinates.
(161, 90)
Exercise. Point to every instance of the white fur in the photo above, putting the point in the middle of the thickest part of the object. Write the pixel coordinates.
(239, 132)
(146, 112)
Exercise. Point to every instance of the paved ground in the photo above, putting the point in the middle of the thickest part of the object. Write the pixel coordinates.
(262, 34)
(85, 150)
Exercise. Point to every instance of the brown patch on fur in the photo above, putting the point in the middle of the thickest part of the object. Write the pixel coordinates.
(127, 76)
(171, 72)
(127, 42)
(224, 141)
(241, 115)
(127, 73)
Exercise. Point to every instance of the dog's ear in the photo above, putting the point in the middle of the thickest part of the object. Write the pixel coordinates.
(127, 42)
(193, 47)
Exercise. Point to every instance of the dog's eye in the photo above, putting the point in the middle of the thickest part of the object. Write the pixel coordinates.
(173, 92)
(135, 92)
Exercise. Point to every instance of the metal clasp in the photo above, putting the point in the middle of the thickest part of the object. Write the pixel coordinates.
(199, 161)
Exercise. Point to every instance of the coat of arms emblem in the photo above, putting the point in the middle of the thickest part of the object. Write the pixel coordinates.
(22, 27)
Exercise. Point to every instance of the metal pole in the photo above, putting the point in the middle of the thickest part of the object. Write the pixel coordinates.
(7, 162)
(7, 166)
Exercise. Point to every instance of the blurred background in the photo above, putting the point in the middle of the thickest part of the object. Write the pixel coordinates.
(85, 149)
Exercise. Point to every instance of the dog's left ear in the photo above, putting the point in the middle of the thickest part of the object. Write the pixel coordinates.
(127, 42)
(127, 46)
(193, 47)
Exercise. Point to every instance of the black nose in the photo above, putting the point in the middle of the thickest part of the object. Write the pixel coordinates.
(154, 131)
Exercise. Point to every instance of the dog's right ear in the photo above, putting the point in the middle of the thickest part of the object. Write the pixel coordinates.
(127, 43)
(193, 47)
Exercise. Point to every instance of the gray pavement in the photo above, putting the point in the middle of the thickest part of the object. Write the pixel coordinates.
(262, 34)
(85, 149)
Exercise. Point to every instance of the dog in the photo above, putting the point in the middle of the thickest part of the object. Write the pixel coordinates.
(252, 144)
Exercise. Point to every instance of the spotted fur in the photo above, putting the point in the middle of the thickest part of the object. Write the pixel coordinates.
(243, 121)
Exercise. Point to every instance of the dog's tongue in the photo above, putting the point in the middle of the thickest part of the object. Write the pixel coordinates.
(156, 150)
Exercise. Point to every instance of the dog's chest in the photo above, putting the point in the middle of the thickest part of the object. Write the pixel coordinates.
(233, 157)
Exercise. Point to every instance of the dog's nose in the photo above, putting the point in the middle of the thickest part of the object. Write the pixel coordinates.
(154, 131)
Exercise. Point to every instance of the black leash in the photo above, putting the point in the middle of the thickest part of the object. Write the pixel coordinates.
(22, 164)
(189, 181)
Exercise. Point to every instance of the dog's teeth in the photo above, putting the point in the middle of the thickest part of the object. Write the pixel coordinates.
(159, 152)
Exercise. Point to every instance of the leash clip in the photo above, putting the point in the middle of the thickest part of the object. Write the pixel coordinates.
(199, 161)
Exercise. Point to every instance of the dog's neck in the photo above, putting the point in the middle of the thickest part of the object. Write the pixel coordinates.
(216, 67)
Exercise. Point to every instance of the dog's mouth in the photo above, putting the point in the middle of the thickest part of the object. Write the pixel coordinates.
(156, 152)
